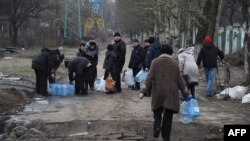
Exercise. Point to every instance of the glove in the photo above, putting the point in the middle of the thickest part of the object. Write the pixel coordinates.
(141, 95)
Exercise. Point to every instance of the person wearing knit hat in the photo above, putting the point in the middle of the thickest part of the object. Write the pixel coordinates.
(208, 56)
(136, 61)
(117, 34)
(153, 52)
(120, 52)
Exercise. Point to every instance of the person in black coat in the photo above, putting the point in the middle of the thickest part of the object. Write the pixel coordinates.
(136, 61)
(109, 65)
(43, 64)
(52, 77)
(81, 50)
(152, 52)
(78, 69)
(208, 55)
(109, 62)
(120, 51)
(92, 55)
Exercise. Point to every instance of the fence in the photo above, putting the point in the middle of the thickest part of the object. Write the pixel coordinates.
(231, 39)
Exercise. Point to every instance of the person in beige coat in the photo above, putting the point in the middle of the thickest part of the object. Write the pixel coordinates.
(163, 82)
(188, 68)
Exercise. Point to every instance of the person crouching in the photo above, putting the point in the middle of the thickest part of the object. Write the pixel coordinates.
(78, 69)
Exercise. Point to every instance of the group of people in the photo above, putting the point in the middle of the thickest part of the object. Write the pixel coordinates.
(167, 75)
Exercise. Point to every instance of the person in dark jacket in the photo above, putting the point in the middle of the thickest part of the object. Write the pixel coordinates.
(120, 51)
(153, 51)
(92, 56)
(78, 69)
(52, 77)
(145, 48)
(43, 64)
(109, 62)
(208, 55)
(81, 50)
(109, 65)
(136, 61)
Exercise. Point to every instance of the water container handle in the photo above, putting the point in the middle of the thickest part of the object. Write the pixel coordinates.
(189, 98)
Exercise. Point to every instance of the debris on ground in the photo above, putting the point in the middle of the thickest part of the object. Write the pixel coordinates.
(246, 98)
(236, 92)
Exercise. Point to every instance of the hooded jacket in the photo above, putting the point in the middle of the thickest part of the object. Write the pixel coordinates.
(188, 65)
(208, 55)
(46, 60)
(152, 53)
(77, 66)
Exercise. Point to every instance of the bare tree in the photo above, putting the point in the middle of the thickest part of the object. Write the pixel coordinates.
(245, 4)
(18, 12)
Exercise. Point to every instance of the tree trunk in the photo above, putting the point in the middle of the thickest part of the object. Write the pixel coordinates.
(217, 25)
(210, 12)
(15, 35)
(245, 14)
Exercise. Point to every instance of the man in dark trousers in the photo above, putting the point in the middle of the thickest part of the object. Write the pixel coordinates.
(136, 61)
(120, 51)
(208, 55)
(153, 51)
(43, 64)
(78, 68)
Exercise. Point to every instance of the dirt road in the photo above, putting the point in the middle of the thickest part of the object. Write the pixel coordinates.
(124, 116)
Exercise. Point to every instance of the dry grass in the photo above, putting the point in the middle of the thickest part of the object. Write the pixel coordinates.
(19, 67)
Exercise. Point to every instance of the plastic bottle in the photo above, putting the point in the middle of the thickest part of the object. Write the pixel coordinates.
(64, 90)
(193, 108)
(71, 90)
(184, 114)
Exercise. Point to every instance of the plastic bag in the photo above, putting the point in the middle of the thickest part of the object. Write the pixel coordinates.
(110, 84)
(239, 92)
(141, 76)
(246, 99)
(128, 78)
(100, 85)
(235, 93)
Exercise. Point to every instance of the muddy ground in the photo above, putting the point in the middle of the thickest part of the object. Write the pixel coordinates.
(111, 117)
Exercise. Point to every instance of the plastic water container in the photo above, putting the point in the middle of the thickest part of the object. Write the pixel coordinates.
(71, 90)
(141, 76)
(184, 118)
(184, 115)
(58, 89)
(64, 90)
(193, 108)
